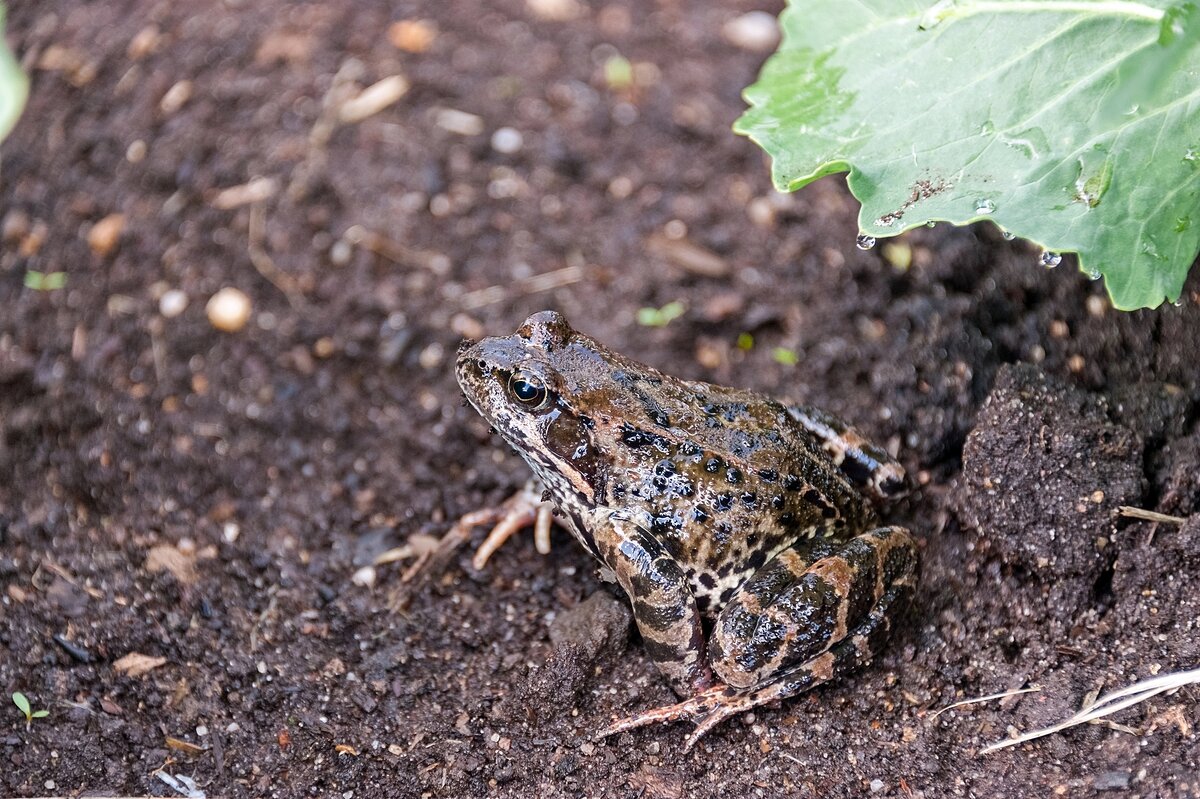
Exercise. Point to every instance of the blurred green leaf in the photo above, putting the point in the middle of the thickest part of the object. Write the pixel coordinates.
(14, 86)
(660, 317)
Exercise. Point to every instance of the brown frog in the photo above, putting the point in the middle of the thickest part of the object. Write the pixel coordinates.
(738, 525)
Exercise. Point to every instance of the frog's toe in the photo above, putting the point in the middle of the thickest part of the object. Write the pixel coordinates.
(697, 708)
(517, 512)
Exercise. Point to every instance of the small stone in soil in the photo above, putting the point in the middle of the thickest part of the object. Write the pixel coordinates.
(229, 310)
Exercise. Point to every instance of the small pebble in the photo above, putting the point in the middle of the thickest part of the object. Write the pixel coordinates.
(228, 310)
(135, 153)
(176, 97)
(364, 577)
(340, 252)
(412, 35)
(172, 303)
(755, 31)
(877, 785)
(105, 234)
(460, 122)
(555, 10)
(15, 226)
(507, 141)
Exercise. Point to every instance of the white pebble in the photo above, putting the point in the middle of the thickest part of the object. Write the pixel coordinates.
(231, 532)
(364, 577)
(172, 303)
(228, 310)
(176, 97)
(460, 122)
(755, 31)
(507, 141)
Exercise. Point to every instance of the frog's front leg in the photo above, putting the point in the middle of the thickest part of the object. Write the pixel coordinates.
(866, 464)
(663, 606)
(522, 509)
(813, 613)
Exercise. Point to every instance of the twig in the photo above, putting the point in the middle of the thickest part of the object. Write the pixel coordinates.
(521, 288)
(1107, 705)
(1149, 515)
(263, 262)
(988, 698)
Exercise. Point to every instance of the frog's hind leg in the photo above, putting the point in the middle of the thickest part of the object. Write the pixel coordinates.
(867, 465)
(794, 626)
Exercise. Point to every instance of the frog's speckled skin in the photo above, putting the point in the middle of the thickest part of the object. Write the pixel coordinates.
(732, 521)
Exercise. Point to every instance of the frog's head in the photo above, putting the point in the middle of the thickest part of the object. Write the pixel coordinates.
(532, 387)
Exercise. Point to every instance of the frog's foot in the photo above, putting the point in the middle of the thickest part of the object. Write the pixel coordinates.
(707, 708)
(517, 512)
(520, 510)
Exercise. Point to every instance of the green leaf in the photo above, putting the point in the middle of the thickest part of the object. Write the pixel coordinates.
(19, 699)
(1072, 123)
(785, 356)
(45, 281)
(660, 317)
(40, 714)
(14, 86)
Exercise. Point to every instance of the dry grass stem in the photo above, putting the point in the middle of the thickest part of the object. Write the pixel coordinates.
(1107, 705)
(988, 698)
(1149, 515)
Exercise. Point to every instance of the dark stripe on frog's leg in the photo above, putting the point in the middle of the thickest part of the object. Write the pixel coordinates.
(865, 463)
(663, 606)
(720, 702)
(807, 599)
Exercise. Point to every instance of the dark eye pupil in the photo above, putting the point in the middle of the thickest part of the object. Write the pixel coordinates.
(525, 391)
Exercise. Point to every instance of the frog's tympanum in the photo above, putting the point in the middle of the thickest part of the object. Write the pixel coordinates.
(739, 526)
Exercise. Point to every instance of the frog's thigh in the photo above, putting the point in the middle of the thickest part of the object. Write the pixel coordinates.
(807, 599)
(663, 605)
(865, 463)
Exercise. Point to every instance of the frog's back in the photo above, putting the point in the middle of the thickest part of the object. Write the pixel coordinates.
(726, 478)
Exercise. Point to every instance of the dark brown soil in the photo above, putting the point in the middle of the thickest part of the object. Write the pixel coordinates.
(205, 497)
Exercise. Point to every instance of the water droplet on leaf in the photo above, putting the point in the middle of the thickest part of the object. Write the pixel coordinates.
(864, 242)
(1008, 235)
(931, 223)
(1050, 259)
(984, 206)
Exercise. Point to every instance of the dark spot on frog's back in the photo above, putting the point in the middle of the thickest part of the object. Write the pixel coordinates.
(635, 438)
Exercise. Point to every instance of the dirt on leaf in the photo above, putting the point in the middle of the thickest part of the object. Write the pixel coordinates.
(191, 505)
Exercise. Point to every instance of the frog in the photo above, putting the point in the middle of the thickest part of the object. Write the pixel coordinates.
(743, 529)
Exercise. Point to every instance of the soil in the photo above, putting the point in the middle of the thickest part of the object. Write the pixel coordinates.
(212, 501)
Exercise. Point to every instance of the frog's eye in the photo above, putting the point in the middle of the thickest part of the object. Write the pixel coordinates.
(528, 389)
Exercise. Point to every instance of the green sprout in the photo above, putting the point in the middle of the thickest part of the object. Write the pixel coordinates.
(660, 317)
(22, 702)
(618, 72)
(45, 281)
(785, 356)
(745, 341)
